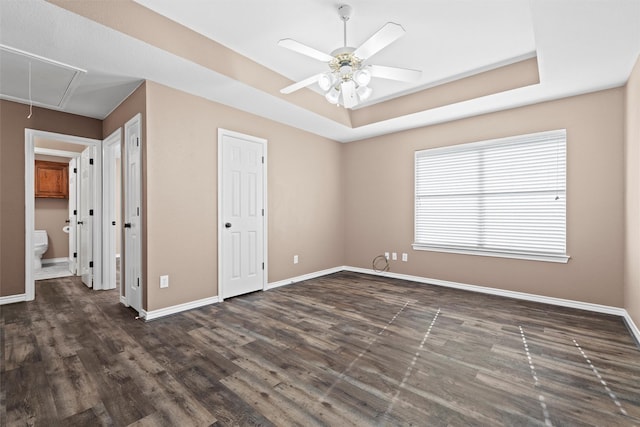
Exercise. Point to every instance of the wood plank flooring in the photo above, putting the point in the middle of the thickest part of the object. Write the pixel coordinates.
(345, 349)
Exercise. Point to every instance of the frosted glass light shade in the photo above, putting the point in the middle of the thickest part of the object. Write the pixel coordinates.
(364, 92)
(362, 77)
(325, 81)
(333, 95)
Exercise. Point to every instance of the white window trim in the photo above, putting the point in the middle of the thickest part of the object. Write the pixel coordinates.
(563, 259)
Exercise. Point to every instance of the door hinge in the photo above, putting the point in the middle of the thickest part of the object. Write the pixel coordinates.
(75, 212)
(90, 161)
(262, 212)
(75, 170)
(75, 254)
(137, 142)
(138, 282)
(90, 264)
(90, 212)
(263, 265)
(138, 211)
(263, 160)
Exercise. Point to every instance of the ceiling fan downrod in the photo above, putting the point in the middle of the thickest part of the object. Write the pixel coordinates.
(345, 12)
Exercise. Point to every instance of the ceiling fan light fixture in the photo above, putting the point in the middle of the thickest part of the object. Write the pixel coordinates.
(362, 77)
(364, 92)
(333, 95)
(325, 81)
(347, 81)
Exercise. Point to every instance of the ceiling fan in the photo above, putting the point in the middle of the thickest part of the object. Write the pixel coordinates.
(346, 82)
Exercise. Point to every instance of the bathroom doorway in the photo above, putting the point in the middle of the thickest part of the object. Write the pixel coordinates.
(54, 214)
(94, 250)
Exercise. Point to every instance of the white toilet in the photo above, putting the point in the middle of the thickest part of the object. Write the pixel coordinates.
(40, 246)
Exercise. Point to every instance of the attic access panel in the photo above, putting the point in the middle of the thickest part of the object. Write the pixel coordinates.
(52, 82)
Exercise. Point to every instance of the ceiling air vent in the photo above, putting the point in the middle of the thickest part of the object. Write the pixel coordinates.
(52, 82)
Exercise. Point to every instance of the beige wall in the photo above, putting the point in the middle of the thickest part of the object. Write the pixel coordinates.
(379, 182)
(632, 192)
(13, 121)
(304, 195)
(50, 215)
(335, 204)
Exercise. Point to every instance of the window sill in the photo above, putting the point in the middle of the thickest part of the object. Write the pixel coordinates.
(563, 259)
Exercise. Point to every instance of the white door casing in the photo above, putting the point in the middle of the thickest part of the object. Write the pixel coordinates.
(30, 136)
(73, 207)
(132, 163)
(242, 222)
(86, 210)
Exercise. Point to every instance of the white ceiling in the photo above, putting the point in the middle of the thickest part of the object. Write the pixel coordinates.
(443, 38)
(582, 46)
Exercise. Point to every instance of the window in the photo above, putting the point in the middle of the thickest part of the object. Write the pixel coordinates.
(503, 197)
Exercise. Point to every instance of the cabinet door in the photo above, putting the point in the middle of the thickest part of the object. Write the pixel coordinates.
(51, 180)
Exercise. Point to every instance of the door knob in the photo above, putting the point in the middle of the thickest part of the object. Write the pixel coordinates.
(80, 222)
(227, 225)
(127, 225)
(113, 223)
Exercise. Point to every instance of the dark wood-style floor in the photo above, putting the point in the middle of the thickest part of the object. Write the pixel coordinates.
(345, 349)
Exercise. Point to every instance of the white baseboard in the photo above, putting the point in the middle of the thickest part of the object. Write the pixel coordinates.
(54, 260)
(598, 308)
(500, 292)
(308, 276)
(633, 328)
(11, 299)
(167, 311)
(123, 301)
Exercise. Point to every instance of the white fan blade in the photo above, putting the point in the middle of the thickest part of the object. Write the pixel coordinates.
(349, 98)
(386, 35)
(299, 85)
(305, 50)
(395, 73)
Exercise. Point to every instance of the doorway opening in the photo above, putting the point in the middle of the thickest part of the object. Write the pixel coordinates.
(85, 211)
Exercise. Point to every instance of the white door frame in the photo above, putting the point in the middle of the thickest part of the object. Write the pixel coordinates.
(29, 200)
(73, 217)
(221, 134)
(109, 146)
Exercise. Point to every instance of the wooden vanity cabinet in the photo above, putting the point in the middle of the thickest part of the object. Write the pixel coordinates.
(52, 179)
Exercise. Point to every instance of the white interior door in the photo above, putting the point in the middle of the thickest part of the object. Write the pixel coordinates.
(242, 230)
(132, 215)
(73, 207)
(110, 207)
(85, 214)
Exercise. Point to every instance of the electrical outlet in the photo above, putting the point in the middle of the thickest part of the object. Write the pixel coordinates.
(394, 256)
(386, 255)
(164, 281)
(295, 259)
(405, 257)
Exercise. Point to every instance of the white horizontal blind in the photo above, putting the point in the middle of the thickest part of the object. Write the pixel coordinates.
(503, 196)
